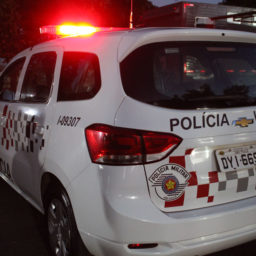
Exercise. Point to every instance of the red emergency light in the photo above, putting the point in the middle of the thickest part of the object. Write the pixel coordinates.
(65, 30)
(69, 30)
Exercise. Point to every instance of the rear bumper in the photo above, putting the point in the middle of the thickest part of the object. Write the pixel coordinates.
(198, 246)
(114, 209)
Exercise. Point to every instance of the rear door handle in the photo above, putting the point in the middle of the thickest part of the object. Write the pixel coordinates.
(3, 121)
(39, 129)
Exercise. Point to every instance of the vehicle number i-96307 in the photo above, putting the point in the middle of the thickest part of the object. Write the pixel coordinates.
(236, 158)
(68, 121)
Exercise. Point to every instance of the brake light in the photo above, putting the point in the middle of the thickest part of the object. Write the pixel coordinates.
(123, 146)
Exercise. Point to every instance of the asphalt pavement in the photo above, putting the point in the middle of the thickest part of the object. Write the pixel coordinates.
(23, 232)
(22, 228)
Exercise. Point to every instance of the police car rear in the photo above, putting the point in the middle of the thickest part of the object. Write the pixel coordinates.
(189, 118)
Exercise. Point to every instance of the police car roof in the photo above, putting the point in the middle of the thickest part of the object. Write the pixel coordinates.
(129, 39)
(139, 37)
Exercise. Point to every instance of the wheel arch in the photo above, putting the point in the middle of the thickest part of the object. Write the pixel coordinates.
(49, 180)
(49, 184)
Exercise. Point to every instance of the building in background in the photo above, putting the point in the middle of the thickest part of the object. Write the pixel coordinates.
(194, 14)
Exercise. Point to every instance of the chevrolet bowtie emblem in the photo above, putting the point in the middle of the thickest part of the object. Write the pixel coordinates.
(242, 122)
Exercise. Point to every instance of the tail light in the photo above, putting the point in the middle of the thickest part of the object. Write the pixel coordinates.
(123, 146)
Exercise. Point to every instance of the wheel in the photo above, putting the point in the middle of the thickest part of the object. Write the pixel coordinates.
(64, 238)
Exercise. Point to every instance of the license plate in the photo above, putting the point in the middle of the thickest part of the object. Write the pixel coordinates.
(236, 158)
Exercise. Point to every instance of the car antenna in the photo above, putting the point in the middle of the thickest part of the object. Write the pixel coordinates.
(131, 16)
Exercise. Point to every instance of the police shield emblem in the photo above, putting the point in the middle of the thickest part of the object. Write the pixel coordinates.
(169, 181)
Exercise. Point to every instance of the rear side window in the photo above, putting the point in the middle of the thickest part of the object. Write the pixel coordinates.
(80, 76)
(38, 79)
(192, 75)
(9, 80)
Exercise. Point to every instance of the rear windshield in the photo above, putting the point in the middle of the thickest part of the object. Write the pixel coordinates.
(192, 75)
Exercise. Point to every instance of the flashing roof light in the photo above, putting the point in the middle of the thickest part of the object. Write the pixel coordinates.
(83, 30)
(69, 30)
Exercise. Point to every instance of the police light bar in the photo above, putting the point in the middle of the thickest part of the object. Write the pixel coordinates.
(69, 30)
(75, 30)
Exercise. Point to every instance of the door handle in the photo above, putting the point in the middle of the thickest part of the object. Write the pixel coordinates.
(3, 120)
(38, 129)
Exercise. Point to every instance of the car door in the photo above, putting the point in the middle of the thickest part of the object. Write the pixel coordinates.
(8, 89)
(32, 114)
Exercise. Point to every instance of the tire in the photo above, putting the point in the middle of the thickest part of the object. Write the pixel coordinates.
(64, 238)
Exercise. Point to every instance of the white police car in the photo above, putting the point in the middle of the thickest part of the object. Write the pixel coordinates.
(136, 142)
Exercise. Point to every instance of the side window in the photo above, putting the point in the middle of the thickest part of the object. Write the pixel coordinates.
(38, 79)
(9, 80)
(80, 76)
